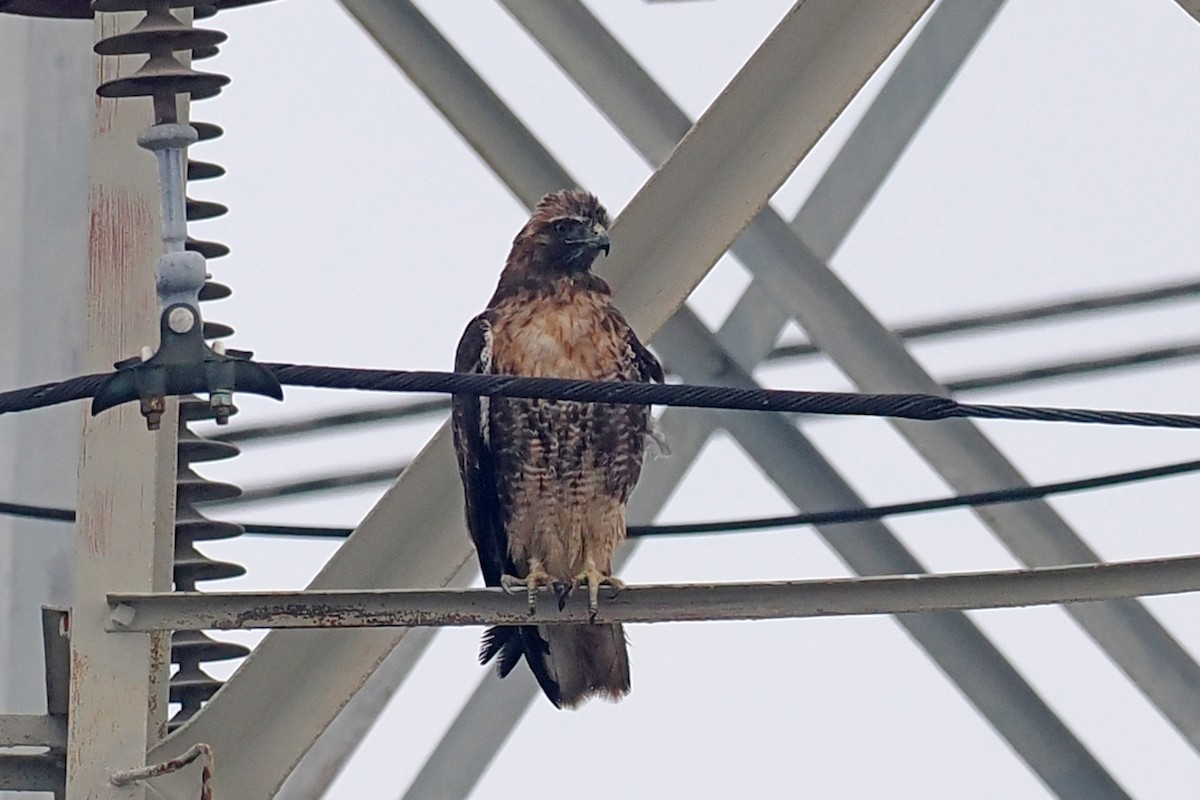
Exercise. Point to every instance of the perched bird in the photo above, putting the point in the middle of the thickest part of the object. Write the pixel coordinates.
(546, 481)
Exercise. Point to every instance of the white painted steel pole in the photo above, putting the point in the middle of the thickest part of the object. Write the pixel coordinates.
(126, 475)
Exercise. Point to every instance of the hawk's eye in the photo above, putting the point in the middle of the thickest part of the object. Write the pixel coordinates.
(562, 227)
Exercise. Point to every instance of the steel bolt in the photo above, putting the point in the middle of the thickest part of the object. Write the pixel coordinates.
(181, 319)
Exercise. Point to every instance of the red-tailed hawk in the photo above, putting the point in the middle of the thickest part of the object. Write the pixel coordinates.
(547, 481)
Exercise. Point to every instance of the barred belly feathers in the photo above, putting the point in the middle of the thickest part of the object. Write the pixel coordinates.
(546, 482)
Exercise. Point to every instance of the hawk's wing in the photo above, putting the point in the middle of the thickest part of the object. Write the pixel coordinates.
(485, 513)
(647, 366)
(485, 517)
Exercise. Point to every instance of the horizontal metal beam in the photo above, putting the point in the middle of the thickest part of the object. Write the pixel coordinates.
(409, 608)
(33, 730)
(32, 773)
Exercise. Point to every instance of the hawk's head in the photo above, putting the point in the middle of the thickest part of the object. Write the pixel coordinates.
(567, 231)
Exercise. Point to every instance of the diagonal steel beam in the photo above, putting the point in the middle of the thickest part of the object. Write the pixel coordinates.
(962, 651)
(803, 287)
(681, 221)
(1192, 7)
(329, 755)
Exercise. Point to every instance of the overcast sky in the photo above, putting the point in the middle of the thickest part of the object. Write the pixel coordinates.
(1061, 161)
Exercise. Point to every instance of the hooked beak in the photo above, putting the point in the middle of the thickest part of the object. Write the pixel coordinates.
(600, 241)
(587, 246)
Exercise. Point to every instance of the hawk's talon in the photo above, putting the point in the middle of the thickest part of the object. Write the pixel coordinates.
(530, 584)
(562, 590)
(511, 584)
(594, 579)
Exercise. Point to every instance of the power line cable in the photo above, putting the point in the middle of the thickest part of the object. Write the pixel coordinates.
(926, 407)
(84, 387)
(758, 523)
(915, 406)
(320, 483)
(1065, 369)
(411, 410)
(1030, 313)
(367, 477)
(314, 424)
(877, 512)
(982, 321)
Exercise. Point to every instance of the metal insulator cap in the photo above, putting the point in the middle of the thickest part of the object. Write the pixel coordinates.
(193, 448)
(208, 250)
(162, 75)
(216, 330)
(191, 488)
(192, 566)
(155, 31)
(196, 643)
(190, 524)
(207, 130)
(203, 170)
(205, 209)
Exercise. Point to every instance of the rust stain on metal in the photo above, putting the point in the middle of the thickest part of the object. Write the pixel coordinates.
(95, 521)
(160, 657)
(106, 69)
(200, 750)
(116, 232)
(78, 672)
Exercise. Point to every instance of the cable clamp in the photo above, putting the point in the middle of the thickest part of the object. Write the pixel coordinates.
(183, 365)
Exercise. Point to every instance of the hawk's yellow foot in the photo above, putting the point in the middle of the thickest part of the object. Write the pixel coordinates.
(594, 579)
(534, 580)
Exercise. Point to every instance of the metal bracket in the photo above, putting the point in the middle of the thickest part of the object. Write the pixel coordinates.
(185, 364)
(25, 769)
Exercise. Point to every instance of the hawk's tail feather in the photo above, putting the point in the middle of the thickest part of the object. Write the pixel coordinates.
(513, 642)
(588, 661)
(495, 639)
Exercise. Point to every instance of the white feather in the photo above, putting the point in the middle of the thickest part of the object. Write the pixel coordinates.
(485, 368)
